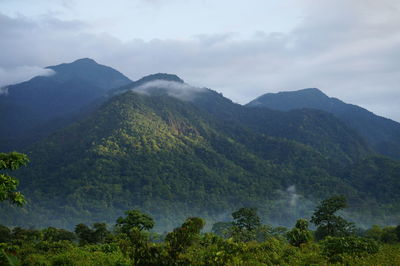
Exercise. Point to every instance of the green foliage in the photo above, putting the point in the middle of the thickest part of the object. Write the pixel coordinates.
(52, 234)
(336, 247)
(299, 234)
(184, 236)
(86, 235)
(5, 234)
(134, 219)
(246, 219)
(383, 234)
(186, 245)
(140, 251)
(8, 259)
(397, 231)
(8, 185)
(221, 229)
(327, 222)
(245, 224)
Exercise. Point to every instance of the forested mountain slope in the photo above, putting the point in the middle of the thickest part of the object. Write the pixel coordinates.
(317, 129)
(150, 149)
(32, 109)
(381, 133)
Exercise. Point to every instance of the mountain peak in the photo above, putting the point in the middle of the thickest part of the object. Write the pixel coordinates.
(310, 90)
(84, 61)
(87, 69)
(79, 62)
(160, 76)
(296, 98)
(307, 92)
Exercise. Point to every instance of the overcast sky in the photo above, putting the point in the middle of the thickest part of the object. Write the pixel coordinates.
(350, 49)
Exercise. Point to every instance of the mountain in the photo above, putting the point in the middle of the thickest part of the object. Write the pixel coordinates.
(173, 151)
(381, 133)
(90, 71)
(36, 107)
(320, 130)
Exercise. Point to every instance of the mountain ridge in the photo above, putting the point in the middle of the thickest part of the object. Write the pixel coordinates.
(381, 133)
(30, 105)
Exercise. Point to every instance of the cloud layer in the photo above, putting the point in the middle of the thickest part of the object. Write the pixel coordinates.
(178, 90)
(348, 49)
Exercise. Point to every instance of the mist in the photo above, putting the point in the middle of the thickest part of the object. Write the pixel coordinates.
(174, 89)
(10, 76)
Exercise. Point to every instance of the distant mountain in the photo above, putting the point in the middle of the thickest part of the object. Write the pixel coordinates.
(381, 133)
(88, 70)
(30, 106)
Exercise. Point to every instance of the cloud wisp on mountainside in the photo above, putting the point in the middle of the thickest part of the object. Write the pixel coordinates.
(178, 90)
(9, 76)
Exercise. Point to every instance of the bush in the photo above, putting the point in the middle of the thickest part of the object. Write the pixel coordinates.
(336, 248)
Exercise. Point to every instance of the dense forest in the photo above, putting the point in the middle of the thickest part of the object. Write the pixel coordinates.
(244, 240)
(172, 159)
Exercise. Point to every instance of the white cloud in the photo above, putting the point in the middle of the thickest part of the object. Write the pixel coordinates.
(178, 90)
(348, 49)
(11, 76)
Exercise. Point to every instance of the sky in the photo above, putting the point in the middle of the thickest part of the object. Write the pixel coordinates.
(350, 49)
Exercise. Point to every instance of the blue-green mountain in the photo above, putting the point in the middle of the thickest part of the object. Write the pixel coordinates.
(381, 133)
(32, 109)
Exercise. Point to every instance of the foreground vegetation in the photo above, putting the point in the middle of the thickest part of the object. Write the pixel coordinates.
(242, 241)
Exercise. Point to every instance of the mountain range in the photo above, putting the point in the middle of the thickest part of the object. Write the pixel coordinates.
(382, 134)
(174, 150)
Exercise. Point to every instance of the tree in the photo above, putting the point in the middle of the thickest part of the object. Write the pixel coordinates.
(397, 231)
(5, 234)
(246, 218)
(9, 162)
(327, 222)
(245, 224)
(52, 234)
(221, 229)
(336, 248)
(184, 236)
(299, 234)
(134, 219)
(100, 232)
(86, 235)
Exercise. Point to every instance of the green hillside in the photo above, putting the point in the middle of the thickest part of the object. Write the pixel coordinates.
(382, 134)
(34, 108)
(173, 160)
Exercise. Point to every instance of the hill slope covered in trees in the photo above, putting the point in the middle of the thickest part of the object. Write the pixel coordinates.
(381, 133)
(174, 154)
(31, 110)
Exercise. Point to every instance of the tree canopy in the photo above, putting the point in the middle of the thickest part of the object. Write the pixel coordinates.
(8, 184)
(327, 222)
(134, 219)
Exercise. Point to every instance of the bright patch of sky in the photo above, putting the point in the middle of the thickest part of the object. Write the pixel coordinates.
(166, 19)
